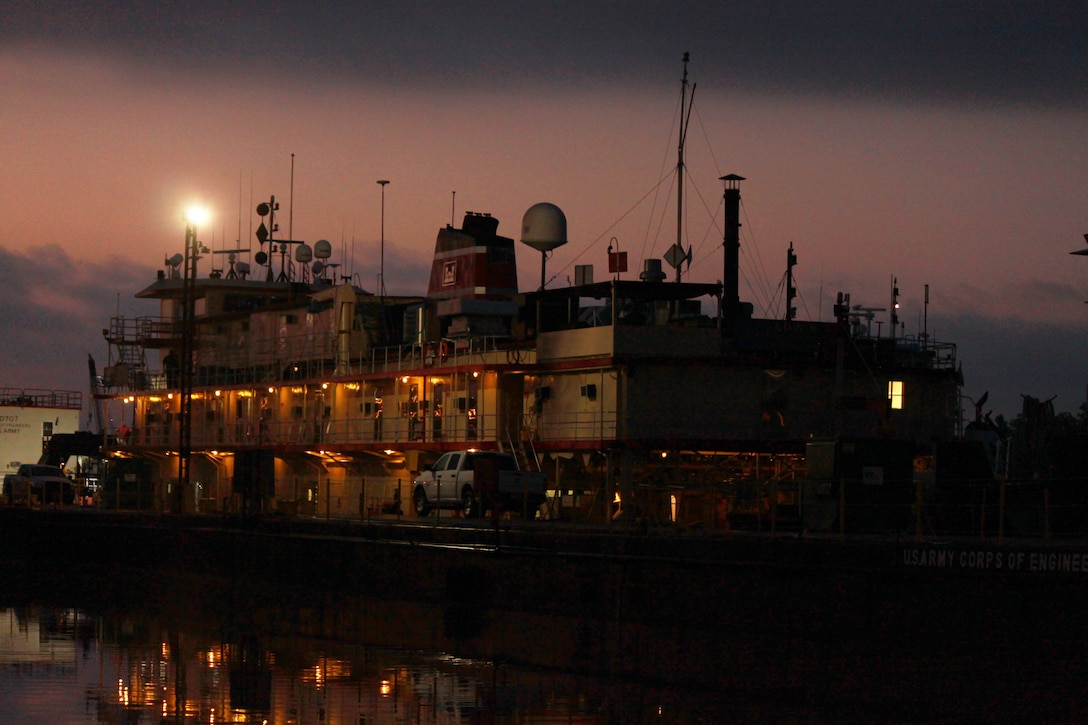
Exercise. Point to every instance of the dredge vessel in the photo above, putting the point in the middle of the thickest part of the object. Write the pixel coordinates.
(283, 387)
(665, 400)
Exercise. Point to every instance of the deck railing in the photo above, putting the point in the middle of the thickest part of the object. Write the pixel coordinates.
(299, 358)
(38, 398)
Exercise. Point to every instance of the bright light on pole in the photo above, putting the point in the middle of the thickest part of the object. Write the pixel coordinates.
(196, 215)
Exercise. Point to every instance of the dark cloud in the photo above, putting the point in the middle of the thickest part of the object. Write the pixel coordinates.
(53, 310)
(405, 273)
(1011, 358)
(995, 53)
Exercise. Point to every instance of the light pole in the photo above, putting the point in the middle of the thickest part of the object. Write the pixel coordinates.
(192, 217)
(381, 273)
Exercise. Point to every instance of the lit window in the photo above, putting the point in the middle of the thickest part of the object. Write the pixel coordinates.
(895, 394)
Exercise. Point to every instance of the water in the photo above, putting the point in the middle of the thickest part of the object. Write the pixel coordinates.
(130, 666)
(125, 638)
(66, 666)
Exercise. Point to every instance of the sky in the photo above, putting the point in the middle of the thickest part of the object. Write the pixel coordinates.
(942, 145)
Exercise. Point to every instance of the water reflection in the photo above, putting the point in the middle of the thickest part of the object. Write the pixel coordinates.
(67, 666)
(315, 633)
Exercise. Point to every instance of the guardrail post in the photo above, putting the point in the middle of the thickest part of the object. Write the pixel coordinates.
(1046, 511)
(918, 510)
(774, 506)
(1001, 514)
(842, 507)
(982, 519)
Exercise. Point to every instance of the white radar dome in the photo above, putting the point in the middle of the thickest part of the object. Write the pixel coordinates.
(322, 249)
(544, 227)
(303, 253)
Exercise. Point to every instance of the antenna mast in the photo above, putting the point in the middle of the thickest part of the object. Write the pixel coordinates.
(685, 121)
(239, 239)
(249, 239)
(680, 155)
(291, 208)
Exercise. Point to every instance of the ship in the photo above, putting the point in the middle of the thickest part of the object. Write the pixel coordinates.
(30, 419)
(281, 387)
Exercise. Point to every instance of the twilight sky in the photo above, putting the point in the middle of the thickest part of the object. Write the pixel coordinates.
(940, 143)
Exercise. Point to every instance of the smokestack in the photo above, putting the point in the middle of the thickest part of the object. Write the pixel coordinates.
(731, 243)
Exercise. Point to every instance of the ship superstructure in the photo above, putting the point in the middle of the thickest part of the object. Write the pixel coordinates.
(647, 399)
(634, 396)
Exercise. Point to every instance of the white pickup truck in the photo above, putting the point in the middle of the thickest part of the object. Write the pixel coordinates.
(478, 481)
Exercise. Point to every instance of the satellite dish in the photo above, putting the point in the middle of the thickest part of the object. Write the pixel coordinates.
(261, 257)
(317, 266)
(175, 260)
(242, 268)
(322, 249)
(303, 253)
(544, 227)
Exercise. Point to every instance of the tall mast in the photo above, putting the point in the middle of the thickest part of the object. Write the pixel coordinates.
(685, 120)
(680, 160)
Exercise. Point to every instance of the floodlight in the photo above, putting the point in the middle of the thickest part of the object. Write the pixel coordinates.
(196, 215)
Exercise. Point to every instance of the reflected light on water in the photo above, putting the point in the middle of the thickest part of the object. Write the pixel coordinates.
(130, 669)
